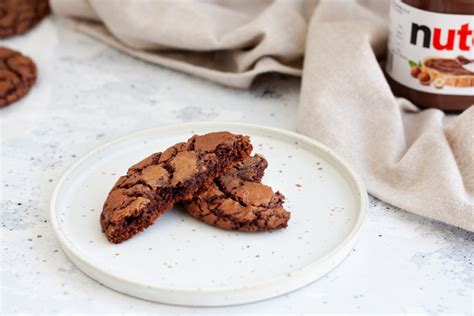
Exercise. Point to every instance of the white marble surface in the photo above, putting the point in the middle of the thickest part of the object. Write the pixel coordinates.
(88, 94)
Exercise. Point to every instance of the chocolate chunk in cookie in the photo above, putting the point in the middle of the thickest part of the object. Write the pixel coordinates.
(18, 16)
(237, 201)
(17, 75)
(153, 185)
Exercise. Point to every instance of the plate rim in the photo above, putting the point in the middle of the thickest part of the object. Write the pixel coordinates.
(73, 253)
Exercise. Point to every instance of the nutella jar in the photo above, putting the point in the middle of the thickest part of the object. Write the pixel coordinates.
(431, 52)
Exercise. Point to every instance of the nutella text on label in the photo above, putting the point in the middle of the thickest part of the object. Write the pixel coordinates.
(440, 39)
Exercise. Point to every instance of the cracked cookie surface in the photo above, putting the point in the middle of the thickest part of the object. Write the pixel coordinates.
(17, 75)
(18, 16)
(238, 201)
(154, 184)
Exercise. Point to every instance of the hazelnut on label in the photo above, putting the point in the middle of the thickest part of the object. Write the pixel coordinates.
(424, 78)
(415, 71)
(439, 83)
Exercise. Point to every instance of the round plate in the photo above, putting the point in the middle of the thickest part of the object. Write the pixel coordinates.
(180, 260)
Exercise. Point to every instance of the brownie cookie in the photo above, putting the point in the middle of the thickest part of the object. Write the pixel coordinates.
(153, 185)
(17, 75)
(18, 16)
(237, 201)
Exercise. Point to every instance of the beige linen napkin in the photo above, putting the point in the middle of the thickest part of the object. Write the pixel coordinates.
(229, 42)
(421, 161)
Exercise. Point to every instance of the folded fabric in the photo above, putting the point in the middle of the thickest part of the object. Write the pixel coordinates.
(229, 42)
(421, 161)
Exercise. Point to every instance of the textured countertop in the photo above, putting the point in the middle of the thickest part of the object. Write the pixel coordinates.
(89, 94)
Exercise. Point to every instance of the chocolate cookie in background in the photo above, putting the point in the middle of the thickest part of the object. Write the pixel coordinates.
(17, 75)
(18, 16)
(238, 201)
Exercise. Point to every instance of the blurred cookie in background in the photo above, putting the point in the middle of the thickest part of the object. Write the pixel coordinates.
(18, 16)
(17, 75)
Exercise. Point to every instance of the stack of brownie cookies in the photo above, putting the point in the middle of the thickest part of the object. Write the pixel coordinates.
(213, 176)
(17, 72)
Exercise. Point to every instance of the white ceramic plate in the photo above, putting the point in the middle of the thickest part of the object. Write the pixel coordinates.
(180, 260)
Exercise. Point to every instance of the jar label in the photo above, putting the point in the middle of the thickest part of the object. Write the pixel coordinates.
(431, 52)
